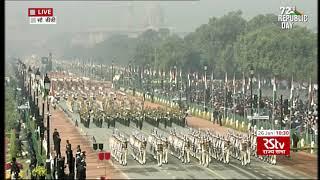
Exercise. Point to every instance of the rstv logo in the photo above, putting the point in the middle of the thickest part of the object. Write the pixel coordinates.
(273, 142)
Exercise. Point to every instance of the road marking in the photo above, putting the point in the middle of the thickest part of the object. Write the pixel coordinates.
(245, 172)
(220, 177)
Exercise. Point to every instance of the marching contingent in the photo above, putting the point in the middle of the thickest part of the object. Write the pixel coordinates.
(101, 106)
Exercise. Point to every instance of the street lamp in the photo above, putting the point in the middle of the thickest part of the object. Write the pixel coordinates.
(47, 84)
(38, 78)
(39, 123)
(251, 99)
(30, 72)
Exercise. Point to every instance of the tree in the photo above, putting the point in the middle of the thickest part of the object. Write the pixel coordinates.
(11, 115)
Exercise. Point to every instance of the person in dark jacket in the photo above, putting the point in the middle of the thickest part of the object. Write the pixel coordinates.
(295, 141)
(54, 137)
(57, 147)
(15, 168)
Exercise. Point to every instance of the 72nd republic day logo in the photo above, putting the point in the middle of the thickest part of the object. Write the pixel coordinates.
(289, 15)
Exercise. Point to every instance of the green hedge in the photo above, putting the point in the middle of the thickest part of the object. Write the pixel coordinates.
(36, 144)
(13, 148)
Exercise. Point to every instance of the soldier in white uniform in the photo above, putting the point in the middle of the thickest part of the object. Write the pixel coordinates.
(248, 150)
(205, 153)
(226, 151)
(243, 152)
(187, 146)
(124, 147)
(165, 151)
(159, 152)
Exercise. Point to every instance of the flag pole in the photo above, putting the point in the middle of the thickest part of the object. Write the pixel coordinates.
(291, 102)
(233, 98)
(259, 96)
(273, 103)
(225, 96)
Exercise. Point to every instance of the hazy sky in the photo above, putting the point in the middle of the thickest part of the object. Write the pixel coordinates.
(183, 16)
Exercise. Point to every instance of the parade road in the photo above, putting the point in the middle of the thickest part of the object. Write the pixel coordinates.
(64, 121)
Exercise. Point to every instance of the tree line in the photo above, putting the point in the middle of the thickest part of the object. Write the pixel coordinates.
(225, 44)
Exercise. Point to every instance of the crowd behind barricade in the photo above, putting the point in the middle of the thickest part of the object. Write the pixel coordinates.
(300, 112)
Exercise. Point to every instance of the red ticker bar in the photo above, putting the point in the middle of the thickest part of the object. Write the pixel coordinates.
(40, 12)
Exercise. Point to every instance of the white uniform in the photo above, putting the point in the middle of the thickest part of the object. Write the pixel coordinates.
(159, 150)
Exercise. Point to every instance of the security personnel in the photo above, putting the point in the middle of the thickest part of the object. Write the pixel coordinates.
(57, 142)
(68, 147)
(78, 163)
(60, 167)
(108, 121)
(71, 168)
(78, 151)
(82, 167)
(54, 136)
(100, 119)
(141, 122)
(69, 156)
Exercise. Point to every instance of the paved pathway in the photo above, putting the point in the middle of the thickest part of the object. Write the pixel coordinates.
(68, 131)
(175, 169)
